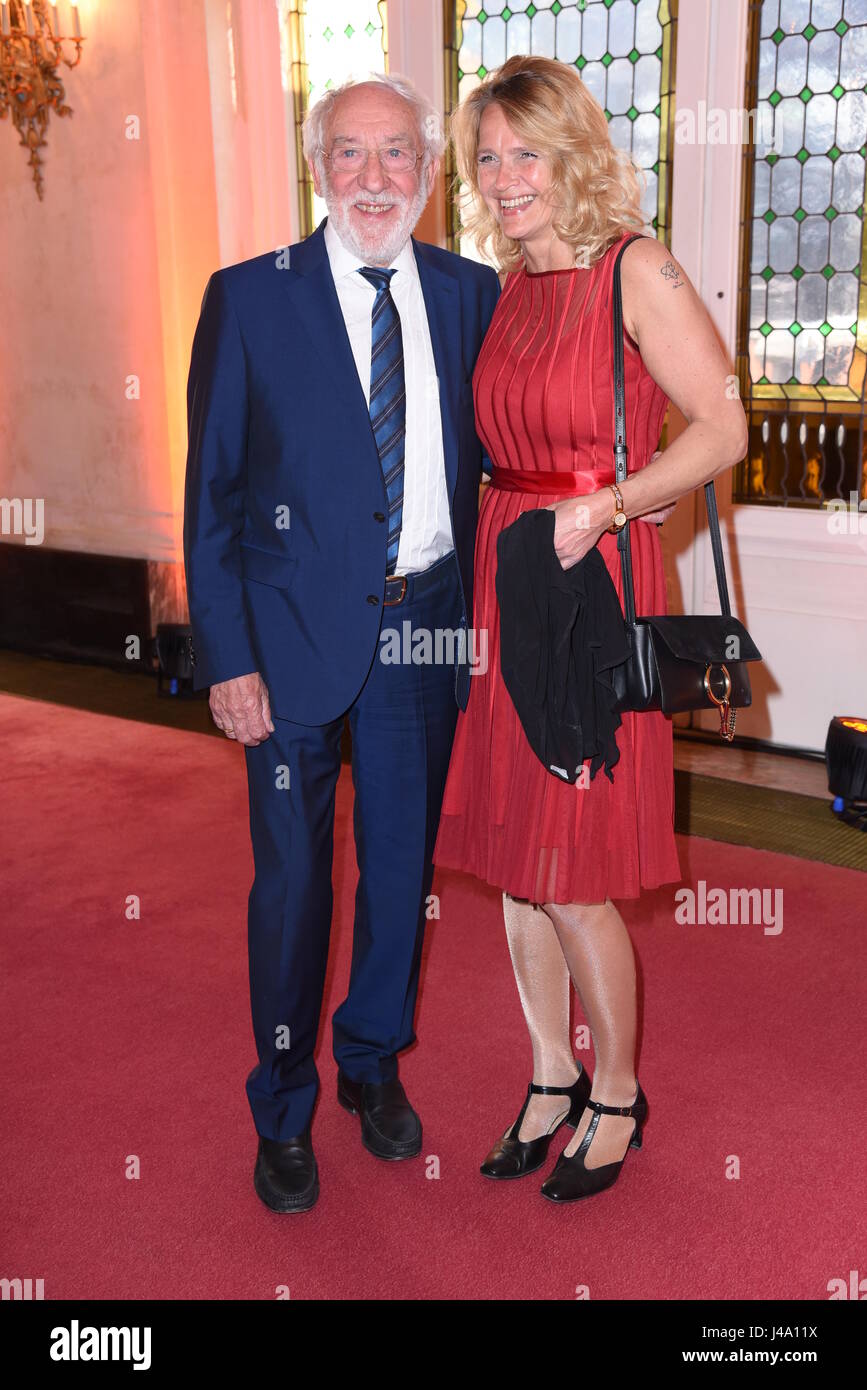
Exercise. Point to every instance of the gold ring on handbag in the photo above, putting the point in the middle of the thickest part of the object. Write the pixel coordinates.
(727, 715)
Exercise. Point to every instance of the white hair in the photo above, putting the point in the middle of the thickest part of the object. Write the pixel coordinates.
(430, 126)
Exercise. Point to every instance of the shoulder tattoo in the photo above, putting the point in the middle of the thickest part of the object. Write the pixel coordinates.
(670, 272)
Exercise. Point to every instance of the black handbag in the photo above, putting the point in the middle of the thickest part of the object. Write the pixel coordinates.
(676, 662)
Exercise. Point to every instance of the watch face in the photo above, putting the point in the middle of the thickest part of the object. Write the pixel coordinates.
(620, 519)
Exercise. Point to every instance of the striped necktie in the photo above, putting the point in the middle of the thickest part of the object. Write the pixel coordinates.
(388, 400)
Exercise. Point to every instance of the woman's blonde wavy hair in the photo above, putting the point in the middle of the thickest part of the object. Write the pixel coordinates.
(548, 107)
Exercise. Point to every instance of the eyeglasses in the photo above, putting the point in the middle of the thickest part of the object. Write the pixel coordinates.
(394, 159)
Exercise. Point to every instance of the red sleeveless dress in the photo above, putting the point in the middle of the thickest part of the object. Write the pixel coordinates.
(545, 404)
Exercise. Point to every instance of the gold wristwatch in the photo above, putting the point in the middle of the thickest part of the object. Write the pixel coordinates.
(619, 521)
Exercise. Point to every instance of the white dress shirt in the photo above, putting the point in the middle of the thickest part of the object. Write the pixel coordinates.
(426, 533)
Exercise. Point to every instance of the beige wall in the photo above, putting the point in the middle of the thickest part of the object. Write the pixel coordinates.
(103, 279)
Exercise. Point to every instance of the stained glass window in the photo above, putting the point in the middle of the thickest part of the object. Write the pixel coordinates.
(803, 319)
(324, 43)
(624, 51)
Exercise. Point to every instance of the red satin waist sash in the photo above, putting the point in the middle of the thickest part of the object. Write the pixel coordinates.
(568, 484)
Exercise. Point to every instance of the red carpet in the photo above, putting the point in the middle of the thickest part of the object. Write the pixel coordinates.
(133, 1038)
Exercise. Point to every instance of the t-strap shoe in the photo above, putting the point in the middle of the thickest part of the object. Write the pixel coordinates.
(512, 1157)
(570, 1178)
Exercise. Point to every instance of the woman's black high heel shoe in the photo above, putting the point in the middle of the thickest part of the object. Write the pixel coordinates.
(512, 1157)
(570, 1179)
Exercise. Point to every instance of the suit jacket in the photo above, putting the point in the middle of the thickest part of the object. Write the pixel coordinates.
(285, 560)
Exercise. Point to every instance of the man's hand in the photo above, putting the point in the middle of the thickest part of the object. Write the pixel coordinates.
(241, 708)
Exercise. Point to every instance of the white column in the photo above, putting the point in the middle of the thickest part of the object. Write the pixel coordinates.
(415, 50)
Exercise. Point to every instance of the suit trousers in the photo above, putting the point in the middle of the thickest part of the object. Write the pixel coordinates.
(402, 724)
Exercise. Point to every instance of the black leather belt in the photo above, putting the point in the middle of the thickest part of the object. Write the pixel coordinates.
(399, 587)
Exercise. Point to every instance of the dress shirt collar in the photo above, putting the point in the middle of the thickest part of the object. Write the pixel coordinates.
(345, 262)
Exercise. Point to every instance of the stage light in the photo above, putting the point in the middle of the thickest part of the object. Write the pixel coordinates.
(846, 761)
(174, 668)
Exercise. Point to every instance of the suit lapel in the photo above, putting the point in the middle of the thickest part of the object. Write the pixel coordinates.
(314, 298)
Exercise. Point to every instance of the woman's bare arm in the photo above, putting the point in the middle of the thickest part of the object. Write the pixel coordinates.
(665, 317)
(678, 344)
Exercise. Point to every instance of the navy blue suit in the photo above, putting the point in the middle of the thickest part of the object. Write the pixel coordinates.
(285, 552)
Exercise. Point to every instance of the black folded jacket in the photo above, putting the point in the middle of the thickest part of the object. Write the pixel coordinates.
(561, 633)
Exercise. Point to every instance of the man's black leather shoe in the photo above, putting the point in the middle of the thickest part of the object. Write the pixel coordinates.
(390, 1128)
(286, 1177)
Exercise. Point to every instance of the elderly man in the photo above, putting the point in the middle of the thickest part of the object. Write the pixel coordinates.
(332, 484)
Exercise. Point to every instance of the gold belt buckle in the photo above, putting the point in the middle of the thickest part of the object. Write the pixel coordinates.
(390, 602)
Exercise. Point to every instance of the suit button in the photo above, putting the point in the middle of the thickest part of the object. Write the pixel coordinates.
(371, 598)
(379, 516)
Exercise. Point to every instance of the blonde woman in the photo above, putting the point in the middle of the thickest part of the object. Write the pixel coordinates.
(553, 203)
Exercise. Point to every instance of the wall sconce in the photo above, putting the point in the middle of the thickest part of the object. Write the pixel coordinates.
(31, 51)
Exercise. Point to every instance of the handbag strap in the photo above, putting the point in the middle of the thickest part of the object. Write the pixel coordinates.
(620, 468)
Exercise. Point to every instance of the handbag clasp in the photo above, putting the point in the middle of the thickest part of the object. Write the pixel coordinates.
(727, 715)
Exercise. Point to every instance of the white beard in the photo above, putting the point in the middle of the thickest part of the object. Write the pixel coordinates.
(376, 247)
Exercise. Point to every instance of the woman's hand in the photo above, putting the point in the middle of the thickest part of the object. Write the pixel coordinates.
(580, 521)
(578, 524)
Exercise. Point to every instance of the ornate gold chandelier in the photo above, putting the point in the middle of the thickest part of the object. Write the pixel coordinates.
(31, 51)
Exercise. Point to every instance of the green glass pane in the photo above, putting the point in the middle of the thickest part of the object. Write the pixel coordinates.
(620, 48)
(340, 37)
